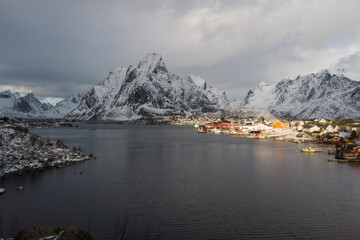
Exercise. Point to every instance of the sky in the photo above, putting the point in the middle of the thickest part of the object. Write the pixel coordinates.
(56, 48)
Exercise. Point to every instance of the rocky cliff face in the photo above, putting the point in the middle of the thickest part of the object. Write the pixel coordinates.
(148, 89)
(319, 95)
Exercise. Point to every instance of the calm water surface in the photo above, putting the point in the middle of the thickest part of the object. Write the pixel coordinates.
(184, 185)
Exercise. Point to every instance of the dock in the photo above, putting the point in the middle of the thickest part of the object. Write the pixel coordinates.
(343, 160)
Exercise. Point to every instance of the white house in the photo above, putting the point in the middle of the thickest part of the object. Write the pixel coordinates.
(314, 129)
(297, 123)
(323, 121)
(261, 127)
(311, 129)
(331, 129)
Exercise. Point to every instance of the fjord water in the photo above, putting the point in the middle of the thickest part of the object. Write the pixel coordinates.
(183, 185)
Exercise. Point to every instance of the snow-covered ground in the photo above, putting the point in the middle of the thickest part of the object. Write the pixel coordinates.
(21, 151)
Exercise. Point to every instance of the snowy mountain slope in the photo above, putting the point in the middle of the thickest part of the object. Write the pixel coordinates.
(148, 89)
(7, 99)
(64, 107)
(320, 95)
(28, 106)
(236, 103)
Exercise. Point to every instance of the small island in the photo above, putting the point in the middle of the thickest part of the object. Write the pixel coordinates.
(22, 151)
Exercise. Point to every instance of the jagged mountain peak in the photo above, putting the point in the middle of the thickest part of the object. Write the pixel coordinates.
(151, 62)
(262, 84)
(29, 106)
(148, 89)
(31, 96)
(8, 94)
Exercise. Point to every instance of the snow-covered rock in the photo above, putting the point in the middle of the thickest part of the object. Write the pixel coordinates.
(14, 106)
(148, 89)
(236, 103)
(22, 151)
(317, 95)
(64, 107)
(7, 99)
(27, 106)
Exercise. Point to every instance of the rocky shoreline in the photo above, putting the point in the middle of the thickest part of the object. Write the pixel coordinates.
(21, 152)
(59, 233)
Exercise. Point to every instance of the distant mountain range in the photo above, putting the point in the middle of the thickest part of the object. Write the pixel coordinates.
(317, 95)
(29, 107)
(145, 90)
(150, 89)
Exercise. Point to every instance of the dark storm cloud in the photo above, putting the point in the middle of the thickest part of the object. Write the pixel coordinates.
(55, 48)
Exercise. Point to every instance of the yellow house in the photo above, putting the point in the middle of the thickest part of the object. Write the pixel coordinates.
(278, 124)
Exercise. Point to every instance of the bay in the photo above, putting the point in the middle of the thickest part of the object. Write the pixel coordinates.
(183, 185)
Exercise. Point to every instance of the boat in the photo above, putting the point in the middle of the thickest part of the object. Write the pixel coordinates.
(201, 129)
(310, 150)
(233, 132)
(218, 131)
(2, 190)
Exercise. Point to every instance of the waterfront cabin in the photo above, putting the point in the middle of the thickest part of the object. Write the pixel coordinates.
(280, 125)
(347, 151)
(201, 129)
(255, 133)
(225, 124)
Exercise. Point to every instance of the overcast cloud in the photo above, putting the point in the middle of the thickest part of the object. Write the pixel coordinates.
(55, 48)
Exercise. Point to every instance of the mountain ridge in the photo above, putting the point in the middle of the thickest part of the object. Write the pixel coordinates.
(30, 107)
(146, 90)
(316, 95)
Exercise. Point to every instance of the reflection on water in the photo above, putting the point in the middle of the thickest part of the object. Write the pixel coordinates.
(190, 186)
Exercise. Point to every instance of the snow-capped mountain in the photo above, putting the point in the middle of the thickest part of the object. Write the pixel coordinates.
(7, 99)
(28, 106)
(64, 107)
(236, 103)
(317, 95)
(148, 89)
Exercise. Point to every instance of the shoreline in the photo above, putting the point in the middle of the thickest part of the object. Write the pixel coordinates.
(22, 152)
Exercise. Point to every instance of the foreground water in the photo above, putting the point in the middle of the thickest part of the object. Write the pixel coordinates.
(183, 185)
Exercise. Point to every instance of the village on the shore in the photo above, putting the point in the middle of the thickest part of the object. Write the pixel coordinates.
(21, 151)
(343, 134)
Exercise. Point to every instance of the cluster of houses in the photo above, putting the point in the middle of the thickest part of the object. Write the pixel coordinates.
(323, 131)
